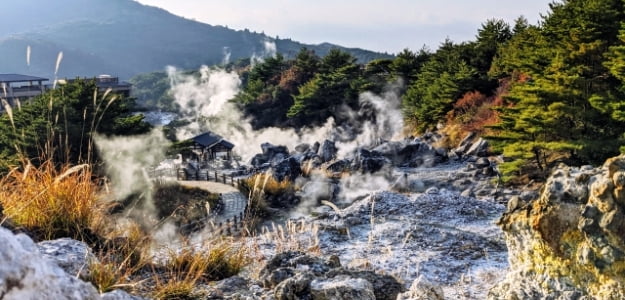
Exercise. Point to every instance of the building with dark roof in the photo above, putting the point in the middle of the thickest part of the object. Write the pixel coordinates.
(105, 82)
(209, 146)
(14, 87)
(17, 86)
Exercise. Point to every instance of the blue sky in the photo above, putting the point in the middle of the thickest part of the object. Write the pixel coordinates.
(381, 25)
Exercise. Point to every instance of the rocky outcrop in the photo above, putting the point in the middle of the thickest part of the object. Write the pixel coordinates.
(71, 255)
(411, 153)
(369, 161)
(328, 151)
(26, 274)
(296, 275)
(421, 289)
(341, 287)
(569, 242)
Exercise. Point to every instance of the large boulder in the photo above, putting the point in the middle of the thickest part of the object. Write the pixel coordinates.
(288, 168)
(418, 154)
(71, 255)
(421, 289)
(270, 150)
(479, 148)
(328, 151)
(415, 153)
(569, 242)
(27, 274)
(369, 161)
(465, 144)
(296, 275)
(384, 287)
(341, 287)
(270, 154)
(120, 295)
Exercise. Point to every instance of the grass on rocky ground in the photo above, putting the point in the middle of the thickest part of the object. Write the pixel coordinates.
(49, 202)
(189, 266)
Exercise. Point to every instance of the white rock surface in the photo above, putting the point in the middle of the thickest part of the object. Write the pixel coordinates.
(25, 274)
(342, 288)
(421, 289)
(119, 295)
(71, 255)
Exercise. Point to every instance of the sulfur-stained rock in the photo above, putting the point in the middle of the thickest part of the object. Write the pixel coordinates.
(569, 242)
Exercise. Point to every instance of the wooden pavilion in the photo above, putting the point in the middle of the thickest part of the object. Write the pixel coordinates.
(208, 146)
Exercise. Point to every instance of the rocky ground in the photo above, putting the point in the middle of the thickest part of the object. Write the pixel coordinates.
(401, 220)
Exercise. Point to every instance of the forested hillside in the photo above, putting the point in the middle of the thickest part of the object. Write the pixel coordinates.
(124, 38)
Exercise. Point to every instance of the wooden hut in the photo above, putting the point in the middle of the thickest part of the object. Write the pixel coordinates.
(208, 146)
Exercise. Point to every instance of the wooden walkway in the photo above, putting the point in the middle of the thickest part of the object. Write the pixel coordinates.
(234, 204)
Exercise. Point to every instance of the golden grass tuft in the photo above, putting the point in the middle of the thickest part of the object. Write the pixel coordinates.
(190, 266)
(52, 203)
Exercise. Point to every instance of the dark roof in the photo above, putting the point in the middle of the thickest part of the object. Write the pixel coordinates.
(19, 78)
(209, 140)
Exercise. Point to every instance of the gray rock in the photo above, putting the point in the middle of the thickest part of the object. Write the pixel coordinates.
(408, 184)
(339, 166)
(432, 191)
(293, 288)
(468, 193)
(26, 274)
(479, 148)
(418, 154)
(301, 148)
(119, 295)
(341, 288)
(270, 150)
(328, 151)
(385, 287)
(286, 169)
(368, 161)
(421, 289)
(71, 255)
(465, 144)
(482, 162)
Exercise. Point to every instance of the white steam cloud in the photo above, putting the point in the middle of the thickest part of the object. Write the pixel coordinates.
(388, 123)
(269, 50)
(127, 160)
(204, 101)
(227, 53)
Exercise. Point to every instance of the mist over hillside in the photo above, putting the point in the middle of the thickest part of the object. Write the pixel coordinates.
(124, 38)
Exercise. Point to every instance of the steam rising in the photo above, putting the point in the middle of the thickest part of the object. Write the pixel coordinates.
(28, 55)
(204, 101)
(59, 58)
(227, 53)
(127, 161)
(269, 50)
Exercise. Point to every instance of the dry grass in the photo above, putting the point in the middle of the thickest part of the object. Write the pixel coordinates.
(186, 268)
(294, 236)
(50, 203)
(53, 203)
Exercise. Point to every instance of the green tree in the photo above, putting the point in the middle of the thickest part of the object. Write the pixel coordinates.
(60, 124)
(562, 106)
(408, 64)
(442, 80)
(337, 84)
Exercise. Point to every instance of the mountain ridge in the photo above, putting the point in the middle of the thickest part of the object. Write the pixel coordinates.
(125, 38)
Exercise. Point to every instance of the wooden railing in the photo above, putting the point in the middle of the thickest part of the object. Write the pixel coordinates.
(206, 175)
(231, 226)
